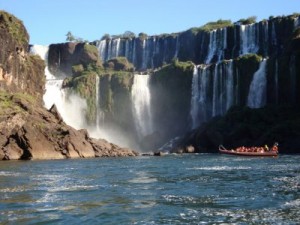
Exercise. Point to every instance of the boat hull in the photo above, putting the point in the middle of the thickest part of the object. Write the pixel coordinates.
(259, 154)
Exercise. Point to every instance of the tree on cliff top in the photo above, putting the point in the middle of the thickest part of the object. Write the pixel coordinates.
(70, 37)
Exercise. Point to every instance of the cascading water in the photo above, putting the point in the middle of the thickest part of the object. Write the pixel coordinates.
(141, 99)
(229, 84)
(258, 86)
(53, 94)
(195, 98)
(217, 44)
(249, 35)
(212, 92)
(296, 22)
(66, 104)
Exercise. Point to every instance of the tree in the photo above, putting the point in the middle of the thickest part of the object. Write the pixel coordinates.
(128, 34)
(70, 36)
(105, 37)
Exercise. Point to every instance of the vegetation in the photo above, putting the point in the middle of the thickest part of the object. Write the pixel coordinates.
(8, 102)
(213, 26)
(143, 36)
(126, 35)
(72, 38)
(14, 27)
(249, 20)
(119, 64)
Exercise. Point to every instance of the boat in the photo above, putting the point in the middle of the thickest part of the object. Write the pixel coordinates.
(271, 153)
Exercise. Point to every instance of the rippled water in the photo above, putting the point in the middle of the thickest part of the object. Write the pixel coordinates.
(187, 189)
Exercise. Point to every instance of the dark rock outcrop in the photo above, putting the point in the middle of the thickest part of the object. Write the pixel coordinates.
(28, 131)
(62, 57)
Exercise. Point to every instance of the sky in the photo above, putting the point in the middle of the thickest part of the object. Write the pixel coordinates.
(48, 21)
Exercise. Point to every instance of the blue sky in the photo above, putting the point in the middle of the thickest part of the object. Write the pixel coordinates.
(48, 21)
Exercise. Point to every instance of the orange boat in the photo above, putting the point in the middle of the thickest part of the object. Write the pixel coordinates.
(271, 153)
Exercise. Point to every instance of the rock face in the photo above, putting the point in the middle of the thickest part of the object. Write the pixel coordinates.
(28, 131)
(62, 57)
(19, 71)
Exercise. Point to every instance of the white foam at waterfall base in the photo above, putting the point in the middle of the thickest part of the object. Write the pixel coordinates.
(257, 90)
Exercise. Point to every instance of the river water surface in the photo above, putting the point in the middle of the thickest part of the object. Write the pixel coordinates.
(186, 189)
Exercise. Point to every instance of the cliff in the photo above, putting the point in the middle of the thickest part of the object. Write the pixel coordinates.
(27, 129)
(192, 77)
(19, 71)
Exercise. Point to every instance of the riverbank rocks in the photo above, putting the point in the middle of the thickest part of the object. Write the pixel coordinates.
(28, 131)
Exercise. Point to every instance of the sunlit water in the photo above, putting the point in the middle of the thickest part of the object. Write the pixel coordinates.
(187, 189)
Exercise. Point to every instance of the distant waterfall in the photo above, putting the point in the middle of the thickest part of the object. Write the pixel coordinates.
(296, 22)
(249, 35)
(195, 97)
(258, 87)
(140, 95)
(217, 44)
(212, 91)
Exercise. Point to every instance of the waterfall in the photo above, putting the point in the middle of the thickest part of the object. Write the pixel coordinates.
(66, 103)
(215, 91)
(145, 55)
(53, 93)
(229, 85)
(115, 47)
(217, 44)
(141, 98)
(102, 49)
(195, 98)
(296, 22)
(274, 36)
(249, 35)
(258, 86)
(204, 100)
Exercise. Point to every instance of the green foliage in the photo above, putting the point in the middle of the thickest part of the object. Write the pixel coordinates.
(119, 64)
(250, 57)
(77, 69)
(212, 26)
(84, 85)
(128, 34)
(143, 36)
(105, 37)
(92, 49)
(15, 27)
(70, 37)
(8, 101)
(249, 20)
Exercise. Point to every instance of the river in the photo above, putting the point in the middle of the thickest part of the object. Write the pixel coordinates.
(173, 189)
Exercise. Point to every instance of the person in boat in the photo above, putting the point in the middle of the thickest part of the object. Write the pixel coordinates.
(266, 148)
(275, 147)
